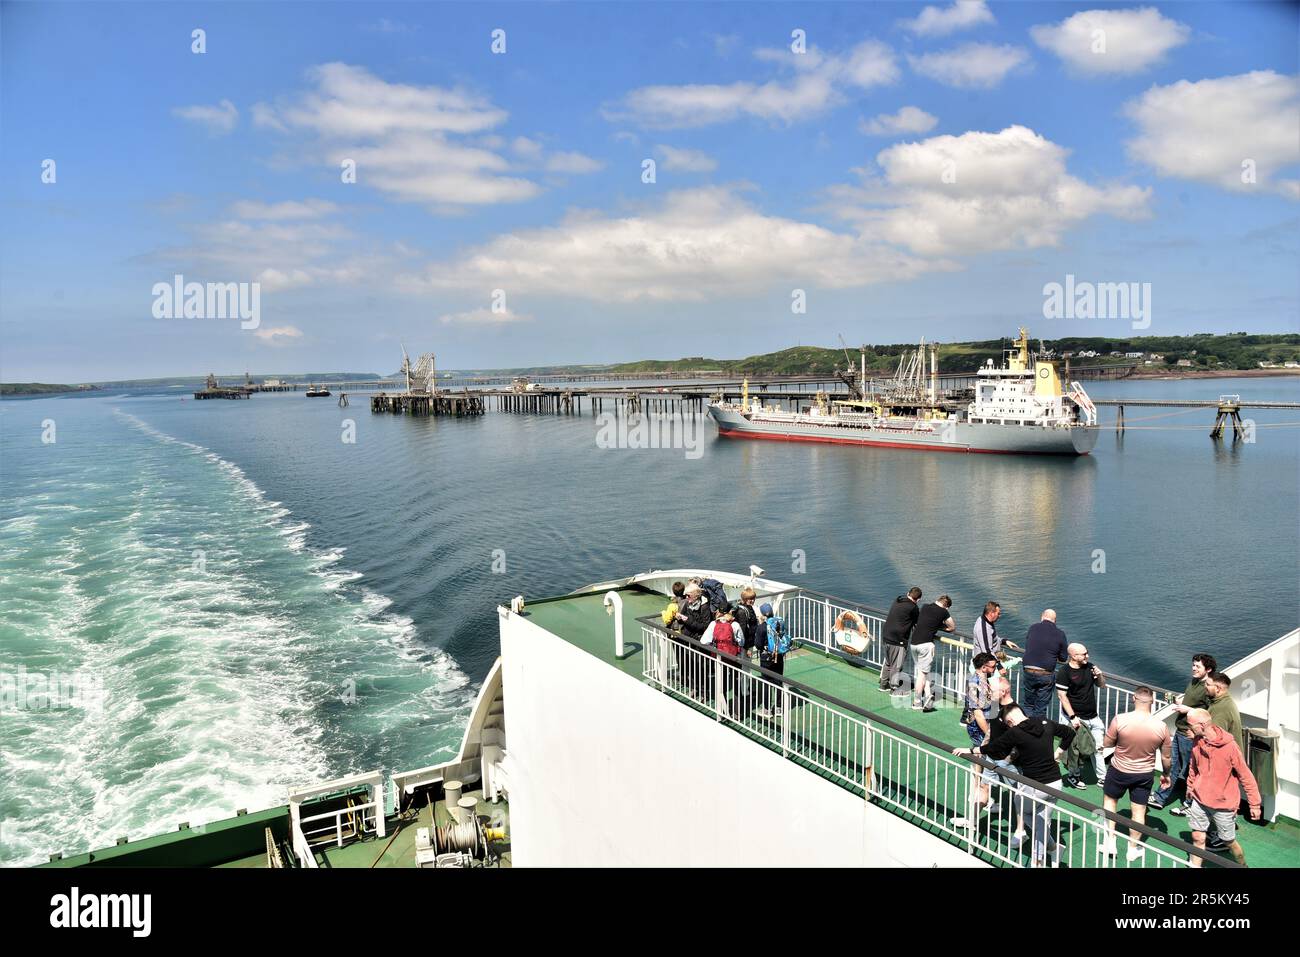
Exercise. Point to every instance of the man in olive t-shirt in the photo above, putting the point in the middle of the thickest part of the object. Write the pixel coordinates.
(1195, 696)
(1224, 710)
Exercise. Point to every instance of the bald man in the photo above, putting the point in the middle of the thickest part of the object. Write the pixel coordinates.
(1216, 777)
(1044, 649)
(1077, 683)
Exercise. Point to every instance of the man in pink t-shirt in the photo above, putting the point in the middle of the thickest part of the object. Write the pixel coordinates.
(1136, 736)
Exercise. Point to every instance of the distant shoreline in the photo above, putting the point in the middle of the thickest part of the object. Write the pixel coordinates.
(1212, 373)
(19, 390)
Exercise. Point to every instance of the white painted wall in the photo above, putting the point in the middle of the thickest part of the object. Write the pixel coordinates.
(606, 771)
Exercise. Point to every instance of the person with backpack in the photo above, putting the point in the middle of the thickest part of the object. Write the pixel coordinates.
(776, 639)
(727, 637)
(747, 619)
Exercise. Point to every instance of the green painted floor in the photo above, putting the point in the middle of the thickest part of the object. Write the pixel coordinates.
(397, 847)
(923, 794)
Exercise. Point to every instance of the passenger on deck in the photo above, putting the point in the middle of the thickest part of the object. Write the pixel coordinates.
(1044, 649)
(1077, 682)
(981, 703)
(1032, 739)
(726, 636)
(1223, 709)
(695, 616)
(986, 635)
(671, 613)
(1136, 736)
(1215, 777)
(775, 637)
(985, 727)
(747, 619)
(894, 636)
(931, 620)
(1196, 696)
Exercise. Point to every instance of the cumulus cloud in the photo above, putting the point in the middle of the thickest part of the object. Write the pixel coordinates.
(482, 317)
(941, 21)
(219, 119)
(978, 65)
(909, 119)
(815, 82)
(1112, 41)
(981, 191)
(677, 160)
(698, 244)
(406, 140)
(1217, 130)
(278, 335)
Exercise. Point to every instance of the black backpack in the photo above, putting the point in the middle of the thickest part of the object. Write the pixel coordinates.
(747, 618)
(717, 595)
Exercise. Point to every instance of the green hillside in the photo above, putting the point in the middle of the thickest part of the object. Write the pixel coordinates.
(1233, 351)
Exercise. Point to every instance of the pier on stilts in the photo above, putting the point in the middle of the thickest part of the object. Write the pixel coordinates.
(425, 403)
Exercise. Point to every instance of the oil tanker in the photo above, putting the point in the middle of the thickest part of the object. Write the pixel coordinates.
(1020, 407)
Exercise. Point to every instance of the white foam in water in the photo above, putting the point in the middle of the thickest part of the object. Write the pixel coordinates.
(215, 684)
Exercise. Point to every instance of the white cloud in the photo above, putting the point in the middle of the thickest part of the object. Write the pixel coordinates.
(941, 21)
(219, 119)
(404, 139)
(278, 335)
(818, 82)
(698, 244)
(677, 160)
(482, 317)
(265, 117)
(572, 163)
(427, 168)
(1112, 41)
(910, 119)
(979, 65)
(981, 191)
(526, 148)
(288, 209)
(350, 101)
(1205, 130)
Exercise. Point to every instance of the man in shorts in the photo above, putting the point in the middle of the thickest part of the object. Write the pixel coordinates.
(1215, 778)
(1136, 737)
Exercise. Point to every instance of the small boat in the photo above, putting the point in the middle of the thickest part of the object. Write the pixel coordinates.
(315, 391)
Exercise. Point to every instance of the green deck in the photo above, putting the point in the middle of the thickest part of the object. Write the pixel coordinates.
(582, 621)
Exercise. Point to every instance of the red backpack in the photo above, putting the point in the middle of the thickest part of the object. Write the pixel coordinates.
(724, 639)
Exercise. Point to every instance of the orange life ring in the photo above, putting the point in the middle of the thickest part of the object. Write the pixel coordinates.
(842, 623)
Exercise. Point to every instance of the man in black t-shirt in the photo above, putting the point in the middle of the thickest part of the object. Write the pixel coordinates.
(1077, 683)
(931, 620)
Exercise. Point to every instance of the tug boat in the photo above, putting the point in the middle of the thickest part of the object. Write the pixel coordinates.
(1019, 407)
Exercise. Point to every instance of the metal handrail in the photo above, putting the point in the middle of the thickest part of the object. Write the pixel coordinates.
(655, 623)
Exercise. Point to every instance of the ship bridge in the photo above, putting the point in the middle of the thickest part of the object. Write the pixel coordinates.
(698, 757)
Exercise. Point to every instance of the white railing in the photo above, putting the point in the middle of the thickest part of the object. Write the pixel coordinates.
(334, 833)
(811, 618)
(916, 777)
(302, 850)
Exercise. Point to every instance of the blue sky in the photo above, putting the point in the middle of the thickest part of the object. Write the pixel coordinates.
(917, 170)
